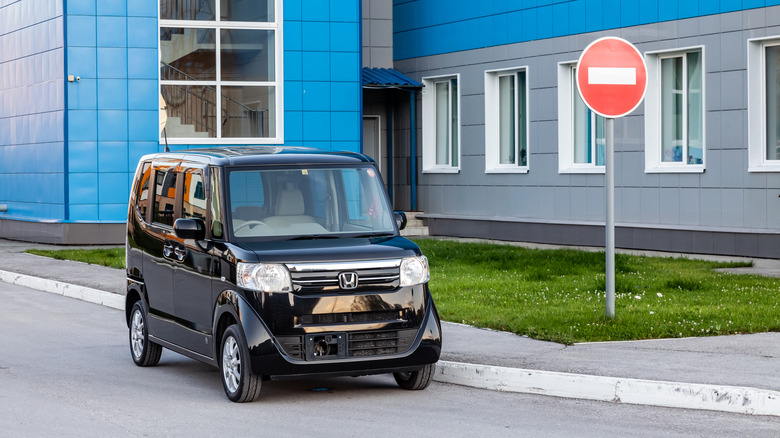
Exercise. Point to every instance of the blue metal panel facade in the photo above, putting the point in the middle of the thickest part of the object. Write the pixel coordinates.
(429, 27)
(32, 109)
(112, 110)
(68, 150)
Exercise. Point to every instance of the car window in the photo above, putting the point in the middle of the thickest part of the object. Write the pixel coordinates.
(216, 206)
(193, 200)
(142, 201)
(164, 197)
(303, 202)
(247, 196)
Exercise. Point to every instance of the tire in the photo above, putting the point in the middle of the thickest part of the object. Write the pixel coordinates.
(240, 383)
(416, 380)
(145, 353)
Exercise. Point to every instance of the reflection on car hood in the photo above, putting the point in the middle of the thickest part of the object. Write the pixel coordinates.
(326, 250)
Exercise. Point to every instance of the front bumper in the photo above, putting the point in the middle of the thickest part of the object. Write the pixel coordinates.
(272, 356)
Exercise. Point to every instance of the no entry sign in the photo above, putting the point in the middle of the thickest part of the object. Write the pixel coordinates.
(611, 77)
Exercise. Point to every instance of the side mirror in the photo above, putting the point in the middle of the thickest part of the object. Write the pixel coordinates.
(400, 219)
(190, 228)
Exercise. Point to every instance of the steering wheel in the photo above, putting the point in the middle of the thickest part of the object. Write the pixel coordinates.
(248, 224)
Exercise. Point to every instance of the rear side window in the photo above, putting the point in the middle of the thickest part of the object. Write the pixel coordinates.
(164, 197)
(142, 201)
(193, 200)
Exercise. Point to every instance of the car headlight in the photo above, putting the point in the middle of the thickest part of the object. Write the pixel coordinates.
(263, 278)
(414, 271)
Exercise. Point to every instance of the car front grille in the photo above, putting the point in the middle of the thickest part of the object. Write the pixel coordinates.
(373, 275)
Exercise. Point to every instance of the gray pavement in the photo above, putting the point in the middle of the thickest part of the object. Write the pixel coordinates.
(724, 365)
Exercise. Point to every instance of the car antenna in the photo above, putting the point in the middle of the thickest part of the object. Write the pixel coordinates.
(165, 134)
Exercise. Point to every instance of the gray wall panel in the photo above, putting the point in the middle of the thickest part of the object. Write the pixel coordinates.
(710, 204)
(734, 94)
(630, 205)
(669, 201)
(732, 208)
(755, 208)
(734, 168)
(689, 207)
(713, 175)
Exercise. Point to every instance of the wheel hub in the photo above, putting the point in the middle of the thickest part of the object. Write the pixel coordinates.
(231, 364)
(137, 334)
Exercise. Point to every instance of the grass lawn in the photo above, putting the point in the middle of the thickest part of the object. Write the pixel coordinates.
(558, 295)
(113, 258)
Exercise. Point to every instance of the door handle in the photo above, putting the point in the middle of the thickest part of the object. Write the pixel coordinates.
(167, 250)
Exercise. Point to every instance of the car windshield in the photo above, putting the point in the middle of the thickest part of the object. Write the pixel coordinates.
(308, 203)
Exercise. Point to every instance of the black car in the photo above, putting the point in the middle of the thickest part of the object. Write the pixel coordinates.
(274, 261)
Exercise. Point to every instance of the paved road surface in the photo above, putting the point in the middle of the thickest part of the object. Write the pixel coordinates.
(65, 370)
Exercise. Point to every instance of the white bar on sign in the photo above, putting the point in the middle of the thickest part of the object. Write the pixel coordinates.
(612, 75)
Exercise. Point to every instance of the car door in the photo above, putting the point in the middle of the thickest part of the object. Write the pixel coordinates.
(195, 267)
(158, 251)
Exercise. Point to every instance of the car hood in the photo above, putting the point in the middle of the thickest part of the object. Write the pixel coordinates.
(325, 250)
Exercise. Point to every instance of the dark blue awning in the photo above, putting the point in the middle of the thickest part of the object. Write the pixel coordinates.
(387, 78)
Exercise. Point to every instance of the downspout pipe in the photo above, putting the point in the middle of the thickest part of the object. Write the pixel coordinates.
(413, 146)
(389, 110)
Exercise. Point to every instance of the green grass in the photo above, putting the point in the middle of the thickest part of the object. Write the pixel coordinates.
(559, 295)
(113, 258)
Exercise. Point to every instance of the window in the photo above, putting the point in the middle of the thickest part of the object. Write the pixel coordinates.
(581, 140)
(441, 125)
(506, 121)
(220, 70)
(143, 197)
(674, 112)
(165, 195)
(193, 202)
(216, 205)
(764, 105)
(305, 201)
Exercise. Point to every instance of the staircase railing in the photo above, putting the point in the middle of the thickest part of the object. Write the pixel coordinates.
(184, 9)
(196, 108)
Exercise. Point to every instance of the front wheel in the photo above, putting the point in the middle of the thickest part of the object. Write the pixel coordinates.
(416, 380)
(240, 383)
(145, 352)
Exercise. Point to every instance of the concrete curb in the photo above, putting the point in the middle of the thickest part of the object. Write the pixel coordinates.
(82, 293)
(742, 400)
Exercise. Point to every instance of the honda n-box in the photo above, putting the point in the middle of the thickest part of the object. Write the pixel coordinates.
(275, 261)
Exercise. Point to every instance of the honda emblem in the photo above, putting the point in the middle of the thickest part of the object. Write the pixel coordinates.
(348, 280)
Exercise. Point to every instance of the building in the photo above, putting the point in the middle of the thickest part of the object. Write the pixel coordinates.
(470, 110)
(82, 84)
(509, 151)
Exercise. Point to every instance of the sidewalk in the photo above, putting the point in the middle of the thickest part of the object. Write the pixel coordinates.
(725, 373)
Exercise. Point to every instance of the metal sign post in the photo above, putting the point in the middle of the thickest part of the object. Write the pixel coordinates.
(609, 184)
(612, 79)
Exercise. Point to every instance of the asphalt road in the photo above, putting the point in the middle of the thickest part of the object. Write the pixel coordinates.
(65, 370)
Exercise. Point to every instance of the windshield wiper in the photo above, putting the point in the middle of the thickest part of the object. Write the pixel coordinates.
(377, 234)
(314, 237)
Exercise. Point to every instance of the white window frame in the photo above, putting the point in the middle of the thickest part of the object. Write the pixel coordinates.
(492, 126)
(429, 125)
(756, 71)
(277, 84)
(566, 89)
(653, 117)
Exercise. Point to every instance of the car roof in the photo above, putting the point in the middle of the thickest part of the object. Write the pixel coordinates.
(261, 155)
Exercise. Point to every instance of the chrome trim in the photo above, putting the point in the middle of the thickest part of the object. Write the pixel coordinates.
(343, 266)
(335, 280)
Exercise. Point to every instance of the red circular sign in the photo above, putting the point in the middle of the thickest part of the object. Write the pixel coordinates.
(611, 77)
